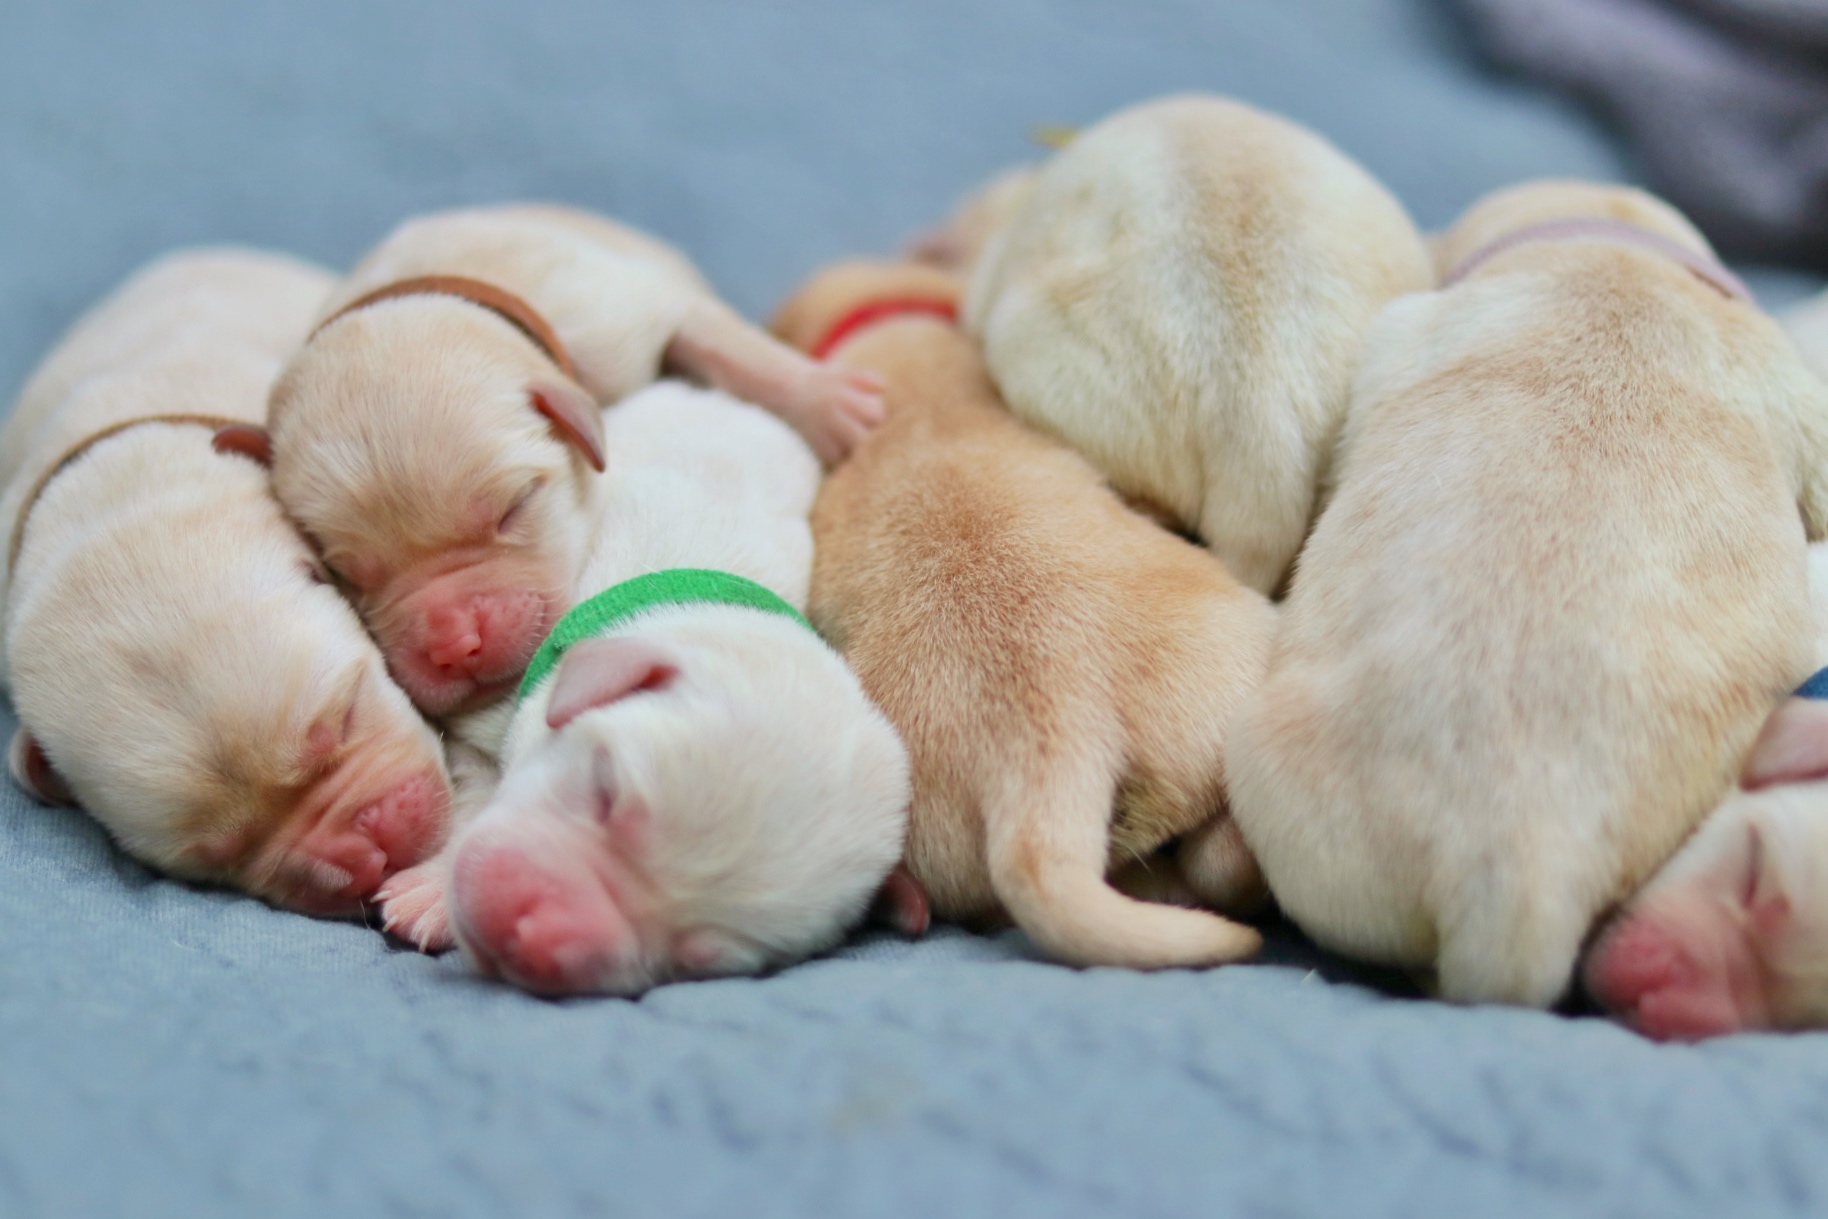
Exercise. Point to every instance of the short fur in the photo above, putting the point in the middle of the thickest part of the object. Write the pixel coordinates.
(1556, 592)
(409, 438)
(1063, 670)
(171, 642)
(1732, 933)
(758, 797)
(1182, 298)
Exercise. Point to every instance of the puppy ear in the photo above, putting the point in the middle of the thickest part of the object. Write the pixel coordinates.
(1793, 748)
(902, 903)
(247, 439)
(576, 416)
(26, 757)
(597, 672)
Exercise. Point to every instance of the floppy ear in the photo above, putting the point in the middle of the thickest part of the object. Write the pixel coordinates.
(34, 771)
(247, 439)
(576, 416)
(597, 672)
(1793, 748)
(902, 903)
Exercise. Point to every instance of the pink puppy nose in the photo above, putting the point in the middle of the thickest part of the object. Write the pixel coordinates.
(482, 633)
(1642, 971)
(540, 930)
(408, 823)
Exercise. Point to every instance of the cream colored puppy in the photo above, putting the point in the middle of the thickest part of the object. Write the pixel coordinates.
(179, 664)
(1062, 669)
(439, 437)
(694, 783)
(1732, 933)
(1182, 297)
(1555, 595)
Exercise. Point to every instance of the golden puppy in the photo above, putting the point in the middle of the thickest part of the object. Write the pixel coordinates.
(1558, 589)
(180, 665)
(1181, 297)
(439, 436)
(1062, 670)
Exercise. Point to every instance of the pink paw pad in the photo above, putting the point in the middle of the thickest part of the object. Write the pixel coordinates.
(535, 928)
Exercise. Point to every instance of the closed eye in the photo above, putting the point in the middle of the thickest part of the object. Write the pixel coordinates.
(517, 510)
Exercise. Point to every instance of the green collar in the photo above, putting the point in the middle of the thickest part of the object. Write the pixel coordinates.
(620, 602)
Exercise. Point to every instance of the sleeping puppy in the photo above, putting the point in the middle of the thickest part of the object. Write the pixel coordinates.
(1556, 593)
(1732, 933)
(180, 664)
(693, 783)
(1181, 298)
(1061, 669)
(439, 439)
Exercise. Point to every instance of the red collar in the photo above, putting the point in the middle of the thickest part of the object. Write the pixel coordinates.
(1598, 228)
(871, 312)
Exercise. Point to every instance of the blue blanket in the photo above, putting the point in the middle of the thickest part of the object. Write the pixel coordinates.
(166, 1051)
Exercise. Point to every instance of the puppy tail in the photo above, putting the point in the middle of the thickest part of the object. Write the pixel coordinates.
(1049, 839)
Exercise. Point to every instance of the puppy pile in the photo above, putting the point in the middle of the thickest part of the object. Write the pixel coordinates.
(1196, 531)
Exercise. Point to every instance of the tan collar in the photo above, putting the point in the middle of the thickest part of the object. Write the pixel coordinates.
(215, 423)
(1618, 232)
(499, 301)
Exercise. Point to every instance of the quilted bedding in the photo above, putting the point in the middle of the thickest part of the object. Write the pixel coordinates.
(166, 1051)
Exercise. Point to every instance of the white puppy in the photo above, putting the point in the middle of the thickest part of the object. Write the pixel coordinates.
(694, 783)
(178, 662)
(1732, 933)
(1555, 595)
(438, 436)
(1181, 296)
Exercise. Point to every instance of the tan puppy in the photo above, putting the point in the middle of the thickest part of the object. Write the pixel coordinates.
(440, 438)
(1181, 298)
(1061, 669)
(1555, 595)
(178, 661)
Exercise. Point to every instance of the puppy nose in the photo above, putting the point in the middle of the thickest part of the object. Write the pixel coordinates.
(534, 927)
(408, 823)
(453, 636)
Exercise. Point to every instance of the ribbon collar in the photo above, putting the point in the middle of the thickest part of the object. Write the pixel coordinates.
(871, 312)
(499, 301)
(621, 602)
(1618, 232)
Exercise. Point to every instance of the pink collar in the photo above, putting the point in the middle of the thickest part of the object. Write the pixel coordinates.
(1594, 228)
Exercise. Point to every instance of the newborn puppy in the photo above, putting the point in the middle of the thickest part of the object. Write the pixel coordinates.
(1732, 933)
(439, 439)
(1182, 298)
(179, 664)
(693, 782)
(1555, 595)
(1062, 670)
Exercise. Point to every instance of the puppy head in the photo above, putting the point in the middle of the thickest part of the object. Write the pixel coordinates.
(956, 245)
(1732, 933)
(821, 302)
(1519, 207)
(718, 796)
(442, 465)
(196, 685)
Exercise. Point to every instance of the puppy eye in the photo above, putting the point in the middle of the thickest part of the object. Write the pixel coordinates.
(315, 572)
(517, 509)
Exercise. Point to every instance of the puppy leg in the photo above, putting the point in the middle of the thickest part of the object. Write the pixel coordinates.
(413, 902)
(1220, 867)
(1506, 938)
(831, 407)
(1048, 842)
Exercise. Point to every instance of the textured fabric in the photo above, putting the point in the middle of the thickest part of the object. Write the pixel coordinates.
(620, 602)
(170, 1052)
(1815, 687)
(1726, 101)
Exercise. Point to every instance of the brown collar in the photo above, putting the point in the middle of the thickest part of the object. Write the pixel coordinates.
(1618, 232)
(215, 423)
(499, 301)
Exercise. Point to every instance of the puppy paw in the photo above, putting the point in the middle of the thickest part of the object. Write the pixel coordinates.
(836, 408)
(413, 906)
